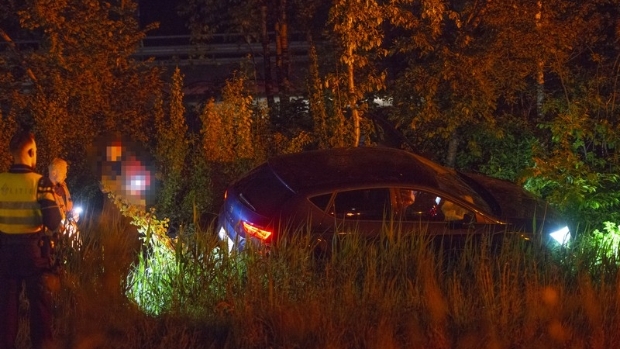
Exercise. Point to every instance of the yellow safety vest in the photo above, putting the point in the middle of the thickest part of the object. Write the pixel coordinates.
(20, 212)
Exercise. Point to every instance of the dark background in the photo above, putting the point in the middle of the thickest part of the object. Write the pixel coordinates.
(165, 12)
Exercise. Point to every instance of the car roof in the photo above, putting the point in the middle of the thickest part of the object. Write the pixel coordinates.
(345, 167)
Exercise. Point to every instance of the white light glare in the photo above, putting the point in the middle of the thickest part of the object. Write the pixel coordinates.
(137, 183)
(224, 237)
(562, 236)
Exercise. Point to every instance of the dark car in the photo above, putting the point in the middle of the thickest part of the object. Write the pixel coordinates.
(356, 190)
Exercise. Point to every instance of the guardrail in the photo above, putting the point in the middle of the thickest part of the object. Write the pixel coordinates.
(178, 49)
(221, 49)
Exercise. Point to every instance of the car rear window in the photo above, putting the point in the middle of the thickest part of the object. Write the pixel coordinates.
(362, 204)
(263, 190)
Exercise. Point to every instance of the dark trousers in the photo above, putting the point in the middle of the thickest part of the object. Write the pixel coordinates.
(24, 261)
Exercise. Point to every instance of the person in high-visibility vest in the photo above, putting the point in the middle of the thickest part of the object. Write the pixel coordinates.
(27, 205)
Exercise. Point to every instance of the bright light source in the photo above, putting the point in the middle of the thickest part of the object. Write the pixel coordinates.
(77, 209)
(137, 184)
(224, 237)
(256, 231)
(562, 236)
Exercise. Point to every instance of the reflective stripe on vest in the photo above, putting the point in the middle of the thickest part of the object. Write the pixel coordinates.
(20, 212)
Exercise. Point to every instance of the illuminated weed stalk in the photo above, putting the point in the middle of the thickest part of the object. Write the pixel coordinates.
(608, 240)
(172, 275)
(150, 278)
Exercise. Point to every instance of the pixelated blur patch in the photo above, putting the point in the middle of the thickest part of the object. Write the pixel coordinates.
(125, 168)
(114, 151)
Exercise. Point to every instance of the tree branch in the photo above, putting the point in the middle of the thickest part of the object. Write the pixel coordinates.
(13, 47)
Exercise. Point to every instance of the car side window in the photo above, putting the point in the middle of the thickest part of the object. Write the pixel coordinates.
(425, 206)
(422, 206)
(362, 204)
(455, 212)
(321, 201)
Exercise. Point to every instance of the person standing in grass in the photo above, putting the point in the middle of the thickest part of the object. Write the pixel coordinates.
(58, 174)
(27, 207)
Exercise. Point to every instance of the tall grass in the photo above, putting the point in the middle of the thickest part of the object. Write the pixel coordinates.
(393, 293)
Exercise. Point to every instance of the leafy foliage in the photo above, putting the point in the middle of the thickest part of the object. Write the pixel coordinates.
(149, 280)
(232, 134)
(357, 31)
(577, 175)
(458, 69)
(173, 151)
(577, 166)
(607, 240)
(503, 152)
(8, 127)
(496, 87)
(228, 126)
(78, 80)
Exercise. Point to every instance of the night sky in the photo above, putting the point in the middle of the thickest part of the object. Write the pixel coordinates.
(164, 12)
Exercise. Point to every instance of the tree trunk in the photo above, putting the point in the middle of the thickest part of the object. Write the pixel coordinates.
(315, 96)
(540, 90)
(351, 98)
(453, 147)
(540, 74)
(266, 57)
(282, 58)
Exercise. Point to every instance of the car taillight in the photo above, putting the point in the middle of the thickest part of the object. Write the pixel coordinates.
(255, 231)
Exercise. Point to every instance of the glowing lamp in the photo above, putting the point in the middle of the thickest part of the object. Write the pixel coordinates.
(562, 236)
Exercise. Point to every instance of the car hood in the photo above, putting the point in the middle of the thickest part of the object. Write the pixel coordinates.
(510, 201)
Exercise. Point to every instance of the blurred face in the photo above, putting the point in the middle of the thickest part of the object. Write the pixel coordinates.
(58, 173)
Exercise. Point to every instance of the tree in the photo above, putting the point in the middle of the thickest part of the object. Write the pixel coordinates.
(172, 151)
(76, 80)
(232, 133)
(577, 161)
(462, 62)
(239, 17)
(356, 28)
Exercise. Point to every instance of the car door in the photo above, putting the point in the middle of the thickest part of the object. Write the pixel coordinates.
(361, 211)
(450, 224)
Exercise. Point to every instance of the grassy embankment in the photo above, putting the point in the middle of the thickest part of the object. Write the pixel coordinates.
(396, 294)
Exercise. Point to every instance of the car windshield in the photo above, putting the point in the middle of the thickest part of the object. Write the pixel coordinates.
(449, 181)
(453, 185)
(514, 200)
